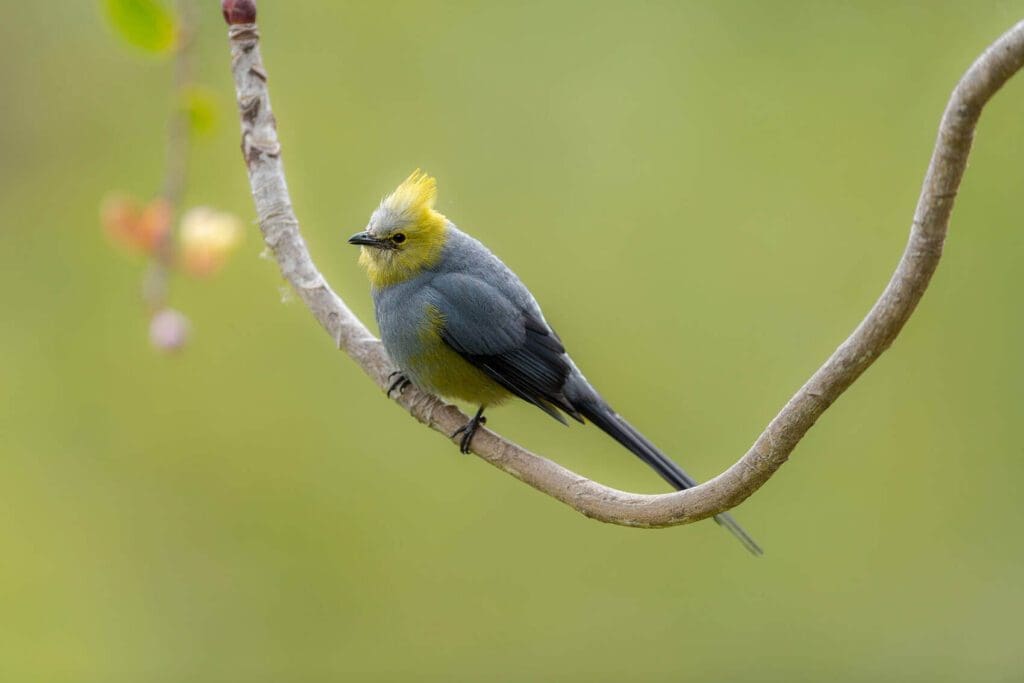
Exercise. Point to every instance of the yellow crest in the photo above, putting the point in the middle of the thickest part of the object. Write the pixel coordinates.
(409, 212)
(415, 196)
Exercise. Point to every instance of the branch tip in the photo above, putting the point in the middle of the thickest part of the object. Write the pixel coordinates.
(239, 11)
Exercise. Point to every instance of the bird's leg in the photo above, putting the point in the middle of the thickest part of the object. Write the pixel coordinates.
(400, 382)
(469, 429)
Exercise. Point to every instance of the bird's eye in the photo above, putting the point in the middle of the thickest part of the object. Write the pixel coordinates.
(398, 238)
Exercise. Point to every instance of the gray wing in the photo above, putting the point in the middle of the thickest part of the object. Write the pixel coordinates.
(507, 339)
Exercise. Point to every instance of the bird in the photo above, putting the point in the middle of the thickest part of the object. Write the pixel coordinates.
(459, 323)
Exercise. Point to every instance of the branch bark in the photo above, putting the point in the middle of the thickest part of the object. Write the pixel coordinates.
(875, 333)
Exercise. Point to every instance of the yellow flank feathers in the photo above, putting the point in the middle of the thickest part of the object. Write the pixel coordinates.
(447, 373)
(408, 212)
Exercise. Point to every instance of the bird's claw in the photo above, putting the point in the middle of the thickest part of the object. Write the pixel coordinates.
(468, 431)
(400, 382)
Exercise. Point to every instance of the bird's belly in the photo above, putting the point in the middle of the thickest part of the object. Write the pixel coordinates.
(440, 370)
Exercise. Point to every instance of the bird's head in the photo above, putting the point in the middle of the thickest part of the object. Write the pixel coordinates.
(405, 234)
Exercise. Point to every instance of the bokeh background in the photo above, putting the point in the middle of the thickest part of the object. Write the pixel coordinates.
(706, 197)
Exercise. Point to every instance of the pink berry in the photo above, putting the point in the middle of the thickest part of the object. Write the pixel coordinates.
(168, 330)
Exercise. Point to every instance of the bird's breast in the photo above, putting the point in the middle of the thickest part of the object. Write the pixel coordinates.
(411, 329)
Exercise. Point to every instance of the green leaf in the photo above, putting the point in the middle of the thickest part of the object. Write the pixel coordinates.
(202, 108)
(146, 24)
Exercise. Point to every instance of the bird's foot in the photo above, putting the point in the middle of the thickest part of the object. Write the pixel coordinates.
(398, 381)
(468, 430)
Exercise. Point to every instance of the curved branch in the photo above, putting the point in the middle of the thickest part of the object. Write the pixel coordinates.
(875, 333)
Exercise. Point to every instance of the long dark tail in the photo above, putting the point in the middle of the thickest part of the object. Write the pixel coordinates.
(597, 411)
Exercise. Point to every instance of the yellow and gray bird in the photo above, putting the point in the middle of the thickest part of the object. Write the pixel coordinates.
(460, 324)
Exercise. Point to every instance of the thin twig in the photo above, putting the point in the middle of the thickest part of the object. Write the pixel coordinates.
(156, 280)
(876, 332)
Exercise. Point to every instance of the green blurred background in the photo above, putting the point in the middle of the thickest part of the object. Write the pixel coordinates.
(706, 197)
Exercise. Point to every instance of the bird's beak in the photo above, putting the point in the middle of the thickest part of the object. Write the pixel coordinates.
(365, 239)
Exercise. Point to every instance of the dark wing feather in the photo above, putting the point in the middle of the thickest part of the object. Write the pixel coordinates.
(510, 343)
(535, 372)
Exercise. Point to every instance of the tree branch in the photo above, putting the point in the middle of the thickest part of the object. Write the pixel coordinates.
(876, 332)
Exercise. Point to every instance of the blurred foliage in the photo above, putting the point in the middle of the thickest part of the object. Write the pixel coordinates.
(146, 24)
(706, 198)
(203, 109)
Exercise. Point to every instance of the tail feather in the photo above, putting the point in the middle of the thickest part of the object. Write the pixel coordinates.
(612, 424)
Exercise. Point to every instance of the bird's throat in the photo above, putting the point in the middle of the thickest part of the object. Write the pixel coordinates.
(387, 267)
